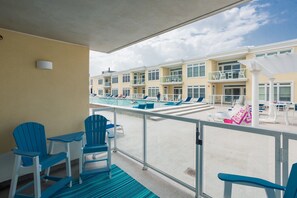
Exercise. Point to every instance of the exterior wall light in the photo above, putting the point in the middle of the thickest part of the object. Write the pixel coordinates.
(41, 64)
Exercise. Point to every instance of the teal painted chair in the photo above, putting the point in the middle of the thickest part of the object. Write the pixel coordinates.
(96, 136)
(290, 189)
(31, 154)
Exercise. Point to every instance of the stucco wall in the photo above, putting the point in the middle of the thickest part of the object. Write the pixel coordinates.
(57, 98)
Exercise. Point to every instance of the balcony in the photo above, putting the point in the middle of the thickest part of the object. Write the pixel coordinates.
(162, 147)
(171, 80)
(107, 84)
(138, 82)
(237, 75)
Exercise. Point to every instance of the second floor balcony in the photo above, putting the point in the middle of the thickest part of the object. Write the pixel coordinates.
(235, 75)
(107, 84)
(138, 82)
(175, 79)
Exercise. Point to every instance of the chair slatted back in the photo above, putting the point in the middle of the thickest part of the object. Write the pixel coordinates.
(95, 126)
(291, 189)
(30, 136)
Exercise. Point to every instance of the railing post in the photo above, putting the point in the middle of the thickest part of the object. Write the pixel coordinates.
(199, 152)
(278, 161)
(285, 160)
(144, 143)
(115, 130)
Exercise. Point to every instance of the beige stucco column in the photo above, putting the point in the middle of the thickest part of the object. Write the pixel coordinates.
(255, 97)
(271, 95)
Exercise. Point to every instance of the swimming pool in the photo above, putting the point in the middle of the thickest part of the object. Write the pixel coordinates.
(124, 102)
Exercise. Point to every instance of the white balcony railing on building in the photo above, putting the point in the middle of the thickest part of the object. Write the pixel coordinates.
(226, 99)
(140, 81)
(171, 79)
(107, 84)
(169, 148)
(171, 97)
(137, 96)
(227, 75)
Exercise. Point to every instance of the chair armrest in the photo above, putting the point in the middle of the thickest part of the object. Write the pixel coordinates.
(25, 153)
(71, 137)
(249, 181)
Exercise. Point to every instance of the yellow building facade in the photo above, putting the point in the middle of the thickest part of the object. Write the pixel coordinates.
(218, 77)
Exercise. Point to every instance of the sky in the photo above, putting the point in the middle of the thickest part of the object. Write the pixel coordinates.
(255, 23)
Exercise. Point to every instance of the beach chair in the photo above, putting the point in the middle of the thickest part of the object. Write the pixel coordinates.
(188, 99)
(290, 191)
(244, 114)
(95, 127)
(173, 103)
(262, 107)
(140, 106)
(150, 105)
(110, 127)
(145, 97)
(200, 99)
(31, 154)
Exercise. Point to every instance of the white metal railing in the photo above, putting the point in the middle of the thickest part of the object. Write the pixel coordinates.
(137, 96)
(201, 129)
(107, 84)
(226, 99)
(227, 75)
(171, 97)
(138, 81)
(171, 79)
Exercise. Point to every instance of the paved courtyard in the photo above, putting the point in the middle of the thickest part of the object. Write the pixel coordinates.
(171, 148)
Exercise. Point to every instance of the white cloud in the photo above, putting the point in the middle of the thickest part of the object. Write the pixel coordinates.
(221, 32)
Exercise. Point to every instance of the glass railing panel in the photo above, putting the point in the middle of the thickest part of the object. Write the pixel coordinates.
(236, 152)
(130, 140)
(171, 148)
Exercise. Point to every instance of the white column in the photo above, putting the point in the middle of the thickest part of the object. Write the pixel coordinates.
(271, 95)
(255, 98)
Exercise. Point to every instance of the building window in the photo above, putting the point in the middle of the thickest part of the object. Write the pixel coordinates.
(153, 74)
(114, 79)
(126, 91)
(100, 92)
(114, 92)
(196, 70)
(153, 91)
(282, 92)
(286, 51)
(126, 78)
(196, 91)
(100, 81)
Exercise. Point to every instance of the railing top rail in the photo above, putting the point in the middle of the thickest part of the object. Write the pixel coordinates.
(254, 130)
(243, 128)
(146, 112)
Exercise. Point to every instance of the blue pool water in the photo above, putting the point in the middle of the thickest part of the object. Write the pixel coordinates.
(124, 102)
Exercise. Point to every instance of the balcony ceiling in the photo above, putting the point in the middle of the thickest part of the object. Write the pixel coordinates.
(105, 26)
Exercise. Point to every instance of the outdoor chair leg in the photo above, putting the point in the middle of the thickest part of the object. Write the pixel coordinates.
(51, 150)
(80, 164)
(109, 157)
(15, 176)
(270, 193)
(37, 184)
(68, 163)
(227, 189)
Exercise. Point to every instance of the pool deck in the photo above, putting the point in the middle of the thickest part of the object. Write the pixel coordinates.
(171, 148)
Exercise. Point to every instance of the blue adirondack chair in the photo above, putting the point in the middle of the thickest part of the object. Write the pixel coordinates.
(31, 153)
(290, 189)
(95, 127)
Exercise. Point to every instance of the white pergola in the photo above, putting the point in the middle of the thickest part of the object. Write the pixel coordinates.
(268, 66)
